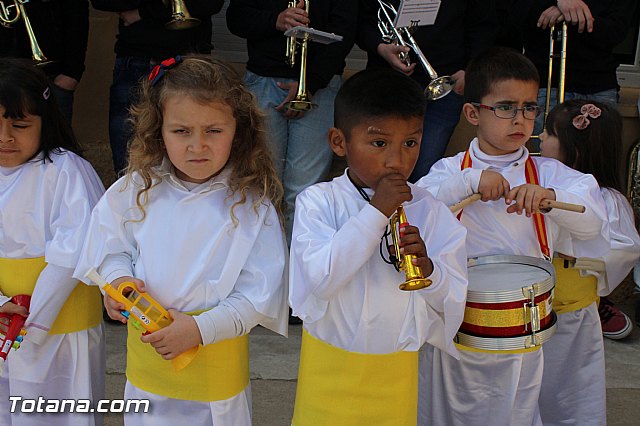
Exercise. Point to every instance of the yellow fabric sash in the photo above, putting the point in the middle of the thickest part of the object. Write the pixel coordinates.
(218, 372)
(338, 387)
(82, 310)
(572, 291)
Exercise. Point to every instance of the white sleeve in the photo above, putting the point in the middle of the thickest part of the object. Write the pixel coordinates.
(574, 187)
(53, 287)
(323, 259)
(235, 316)
(110, 246)
(625, 241)
(448, 183)
(444, 238)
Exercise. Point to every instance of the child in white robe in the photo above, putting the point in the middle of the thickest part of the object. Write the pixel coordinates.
(196, 223)
(361, 333)
(587, 136)
(502, 387)
(47, 191)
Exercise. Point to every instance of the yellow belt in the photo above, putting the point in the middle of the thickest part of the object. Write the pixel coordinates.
(572, 291)
(338, 387)
(218, 372)
(82, 310)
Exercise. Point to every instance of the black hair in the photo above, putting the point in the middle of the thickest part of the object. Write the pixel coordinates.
(494, 65)
(596, 149)
(25, 89)
(377, 92)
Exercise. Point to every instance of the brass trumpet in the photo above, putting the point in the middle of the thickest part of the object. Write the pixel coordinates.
(415, 279)
(6, 21)
(438, 87)
(302, 101)
(180, 17)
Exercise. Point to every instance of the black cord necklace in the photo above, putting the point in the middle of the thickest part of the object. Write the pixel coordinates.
(384, 240)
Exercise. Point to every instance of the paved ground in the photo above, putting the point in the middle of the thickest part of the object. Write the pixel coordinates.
(274, 366)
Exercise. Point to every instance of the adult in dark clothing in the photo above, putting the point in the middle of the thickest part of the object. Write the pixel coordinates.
(597, 27)
(461, 30)
(61, 28)
(298, 139)
(142, 42)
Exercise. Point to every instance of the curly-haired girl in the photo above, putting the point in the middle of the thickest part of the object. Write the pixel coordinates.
(196, 223)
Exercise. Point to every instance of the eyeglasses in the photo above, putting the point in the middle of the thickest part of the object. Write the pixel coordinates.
(508, 111)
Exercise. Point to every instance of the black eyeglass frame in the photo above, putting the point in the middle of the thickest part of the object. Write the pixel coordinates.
(513, 110)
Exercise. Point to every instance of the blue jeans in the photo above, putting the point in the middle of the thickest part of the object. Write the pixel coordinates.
(300, 146)
(606, 96)
(127, 73)
(440, 120)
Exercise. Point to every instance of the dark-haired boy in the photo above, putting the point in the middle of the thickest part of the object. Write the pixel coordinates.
(502, 387)
(361, 333)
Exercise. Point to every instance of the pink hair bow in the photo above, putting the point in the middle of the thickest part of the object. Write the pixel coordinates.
(581, 121)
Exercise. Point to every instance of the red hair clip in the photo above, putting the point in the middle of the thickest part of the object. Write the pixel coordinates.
(159, 70)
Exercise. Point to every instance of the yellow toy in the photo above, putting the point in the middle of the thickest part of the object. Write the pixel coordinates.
(147, 312)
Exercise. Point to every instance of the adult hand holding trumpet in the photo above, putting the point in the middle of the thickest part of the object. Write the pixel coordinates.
(528, 197)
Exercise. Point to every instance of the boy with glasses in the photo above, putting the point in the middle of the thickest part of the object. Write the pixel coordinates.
(502, 387)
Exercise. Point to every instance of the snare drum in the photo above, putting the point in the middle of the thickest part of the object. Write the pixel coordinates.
(508, 303)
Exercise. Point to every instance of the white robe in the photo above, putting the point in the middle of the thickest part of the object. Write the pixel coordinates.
(192, 257)
(575, 392)
(487, 388)
(348, 296)
(44, 212)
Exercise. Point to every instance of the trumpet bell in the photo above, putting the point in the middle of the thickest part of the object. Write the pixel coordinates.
(439, 88)
(300, 104)
(415, 284)
(181, 22)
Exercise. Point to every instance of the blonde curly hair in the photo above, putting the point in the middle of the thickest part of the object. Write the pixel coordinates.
(206, 79)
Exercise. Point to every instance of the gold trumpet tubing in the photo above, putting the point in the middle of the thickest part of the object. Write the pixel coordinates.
(36, 53)
(561, 68)
(5, 21)
(291, 42)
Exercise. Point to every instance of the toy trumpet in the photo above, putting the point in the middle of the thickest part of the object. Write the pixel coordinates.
(13, 337)
(415, 279)
(146, 311)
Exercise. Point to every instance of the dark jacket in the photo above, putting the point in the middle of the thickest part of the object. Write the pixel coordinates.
(255, 20)
(61, 28)
(462, 29)
(591, 65)
(149, 38)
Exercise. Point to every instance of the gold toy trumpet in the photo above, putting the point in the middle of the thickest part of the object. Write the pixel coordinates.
(415, 279)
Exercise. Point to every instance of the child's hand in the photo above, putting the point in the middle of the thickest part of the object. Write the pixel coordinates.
(115, 308)
(527, 197)
(492, 186)
(412, 243)
(181, 335)
(390, 192)
(11, 308)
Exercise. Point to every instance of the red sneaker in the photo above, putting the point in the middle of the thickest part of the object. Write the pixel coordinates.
(616, 324)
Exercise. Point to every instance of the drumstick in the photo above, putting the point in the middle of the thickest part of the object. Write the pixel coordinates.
(544, 204)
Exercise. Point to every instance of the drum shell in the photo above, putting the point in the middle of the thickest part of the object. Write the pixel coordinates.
(498, 312)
